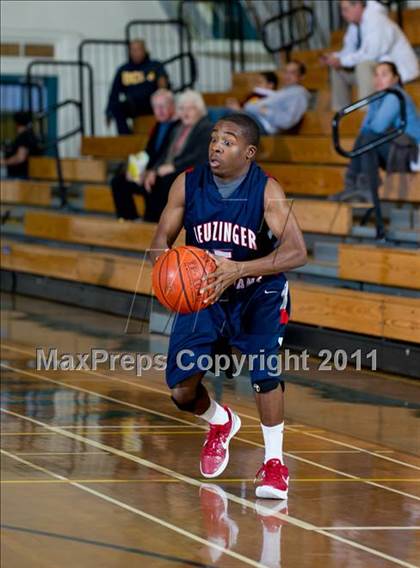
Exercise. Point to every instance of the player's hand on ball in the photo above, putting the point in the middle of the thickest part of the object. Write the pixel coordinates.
(226, 273)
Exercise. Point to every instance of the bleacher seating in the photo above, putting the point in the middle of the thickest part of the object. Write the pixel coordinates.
(308, 168)
(112, 147)
(89, 230)
(74, 169)
(368, 313)
(302, 149)
(26, 192)
(380, 265)
(99, 198)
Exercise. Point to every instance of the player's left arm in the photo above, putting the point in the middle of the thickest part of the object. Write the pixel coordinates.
(290, 252)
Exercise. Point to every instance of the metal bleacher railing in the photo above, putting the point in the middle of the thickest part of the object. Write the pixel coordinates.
(300, 27)
(54, 144)
(88, 78)
(363, 149)
(70, 89)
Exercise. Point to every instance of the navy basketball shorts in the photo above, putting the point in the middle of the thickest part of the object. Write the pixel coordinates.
(252, 320)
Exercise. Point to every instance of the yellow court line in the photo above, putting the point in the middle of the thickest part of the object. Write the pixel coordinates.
(373, 528)
(141, 513)
(82, 453)
(313, 433)
(190, 481)
(238, 438)
(120, 433)
(219, 480)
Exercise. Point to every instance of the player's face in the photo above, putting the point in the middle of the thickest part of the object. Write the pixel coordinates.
(384, 77)
(229, 152)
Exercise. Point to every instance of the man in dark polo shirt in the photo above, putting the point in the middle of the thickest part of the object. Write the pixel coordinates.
(133, 85)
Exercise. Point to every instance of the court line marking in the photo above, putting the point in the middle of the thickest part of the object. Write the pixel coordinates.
(289, 427)
(191, 481)
(373, 528)
(137, 511)
(81, 453)
(202, 480)
(250, 442)
(94, 393)
(120, 433)
(362, 450)
(106, 545)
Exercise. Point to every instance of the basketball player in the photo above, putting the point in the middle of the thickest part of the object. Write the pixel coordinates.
(231, 208)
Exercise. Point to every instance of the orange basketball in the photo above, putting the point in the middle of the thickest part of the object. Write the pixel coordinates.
(177, 278)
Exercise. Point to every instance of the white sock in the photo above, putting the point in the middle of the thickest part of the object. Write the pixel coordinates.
(215, 414)
(273, 442)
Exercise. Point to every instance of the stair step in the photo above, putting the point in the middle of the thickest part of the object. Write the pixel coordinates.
(325, 251)
(400, 219)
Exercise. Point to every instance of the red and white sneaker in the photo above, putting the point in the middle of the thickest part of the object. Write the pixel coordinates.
(272, 480)
(215, 453)
(220, 528)
(267, 513)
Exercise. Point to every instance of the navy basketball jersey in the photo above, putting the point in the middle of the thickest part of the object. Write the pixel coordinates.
(232, 227)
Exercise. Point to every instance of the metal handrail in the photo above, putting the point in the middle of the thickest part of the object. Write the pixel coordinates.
(294, 41)
(390, 134)
(82, 63)
(69, 63)
(176, 22)
(193, 70)
(46, 145)
(235, 27)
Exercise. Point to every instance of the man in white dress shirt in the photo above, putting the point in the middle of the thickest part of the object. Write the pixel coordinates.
(370, 37)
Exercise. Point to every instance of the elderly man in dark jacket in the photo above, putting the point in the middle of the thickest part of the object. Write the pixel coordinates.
(186, 146)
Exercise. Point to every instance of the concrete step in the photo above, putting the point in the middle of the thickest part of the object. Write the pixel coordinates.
(400, 219)
(325, 251)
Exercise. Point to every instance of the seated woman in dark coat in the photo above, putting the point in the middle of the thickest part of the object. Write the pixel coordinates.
(187, 146)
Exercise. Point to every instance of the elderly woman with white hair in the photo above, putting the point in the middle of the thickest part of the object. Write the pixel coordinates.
(187, 147)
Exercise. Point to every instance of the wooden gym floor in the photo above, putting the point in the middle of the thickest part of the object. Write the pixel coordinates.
(100, 470)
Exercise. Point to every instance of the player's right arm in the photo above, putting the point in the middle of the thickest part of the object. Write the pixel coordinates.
(171, 220)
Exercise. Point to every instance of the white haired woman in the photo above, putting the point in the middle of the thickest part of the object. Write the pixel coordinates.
(187, 147)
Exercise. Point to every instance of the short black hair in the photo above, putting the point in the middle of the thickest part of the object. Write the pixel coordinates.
(22, 118)
(248, 126)
(270, 77)
(301, 66)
